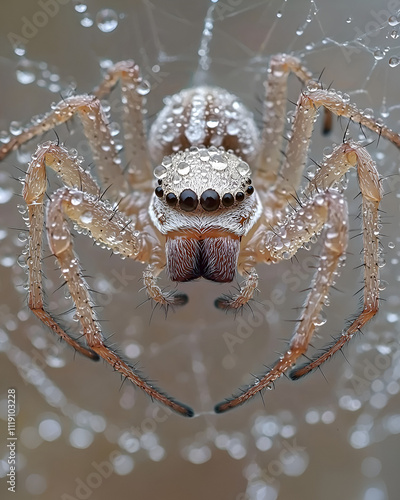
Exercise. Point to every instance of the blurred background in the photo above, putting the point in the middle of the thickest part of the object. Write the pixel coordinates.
(81, 434)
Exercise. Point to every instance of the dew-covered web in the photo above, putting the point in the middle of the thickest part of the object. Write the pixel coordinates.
(83, 435)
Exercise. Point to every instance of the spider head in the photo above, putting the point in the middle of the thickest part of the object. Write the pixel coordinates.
(204, 203)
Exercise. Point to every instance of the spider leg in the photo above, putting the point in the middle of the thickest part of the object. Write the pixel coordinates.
(329, 209)
(165, 299)
(71, 173)
(35, 300)
(291, 172)
(110, 228)
(106, 225)
(246, 292)
(371, 197)
(274, 117)
(97, 132)
(133, 90)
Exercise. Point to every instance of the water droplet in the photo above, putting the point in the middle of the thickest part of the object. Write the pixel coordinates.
(80, 7)
(393, 62)
(86, 21)
(243, 168)
(176, 179)
(394, 34)
(183, 168)
(167, 162)
(212, 121)
(160, 171)
(321, 319)
(19, 49)
(143, 88)
(392, 317)
(204, 156)
(232, 128)
(379, 54)
(114, 129)
(218, 163)
(86, 217)
(382, 285)
(25, 72)
(107, 20)
(7, 260)
(177, 108)
(4, 137)
(393, 21)
(359, 438)
(5, 195)
(76, 199)
(384, 112)
(348, 20)
(15, 128)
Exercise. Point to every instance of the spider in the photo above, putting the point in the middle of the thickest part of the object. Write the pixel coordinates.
(205, 215)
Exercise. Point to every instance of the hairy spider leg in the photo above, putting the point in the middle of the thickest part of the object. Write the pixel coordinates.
(326, 209)
(88, 210)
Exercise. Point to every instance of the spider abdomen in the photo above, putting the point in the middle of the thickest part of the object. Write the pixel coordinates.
(204, 116)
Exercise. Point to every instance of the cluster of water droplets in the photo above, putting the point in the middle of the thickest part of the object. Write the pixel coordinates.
(200, 168)
(205, 115)
(105, 19)
(39, 73)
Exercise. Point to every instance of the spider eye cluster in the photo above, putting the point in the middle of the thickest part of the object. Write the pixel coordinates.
(209, 178)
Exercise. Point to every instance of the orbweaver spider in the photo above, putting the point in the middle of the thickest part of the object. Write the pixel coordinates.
(207, 216)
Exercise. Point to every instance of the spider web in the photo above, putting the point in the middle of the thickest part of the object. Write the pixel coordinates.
(114, 440)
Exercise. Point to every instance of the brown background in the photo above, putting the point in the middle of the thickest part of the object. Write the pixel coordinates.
(187, 352)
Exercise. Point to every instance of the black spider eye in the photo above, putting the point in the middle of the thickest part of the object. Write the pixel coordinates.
(209, 200)
(171, 199)
(228, 200)
(250, 190)
(239, 196)
(159, 192)
(188, 200)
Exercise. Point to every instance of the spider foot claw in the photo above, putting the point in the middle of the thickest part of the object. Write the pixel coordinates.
(299, 372)
(223, 303)
(92, 355)
(178, 299)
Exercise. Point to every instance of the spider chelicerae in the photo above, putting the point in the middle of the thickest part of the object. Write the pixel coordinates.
(206, 215)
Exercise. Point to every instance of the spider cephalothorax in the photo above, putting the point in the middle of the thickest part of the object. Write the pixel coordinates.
(204, 203)
(207, 215)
